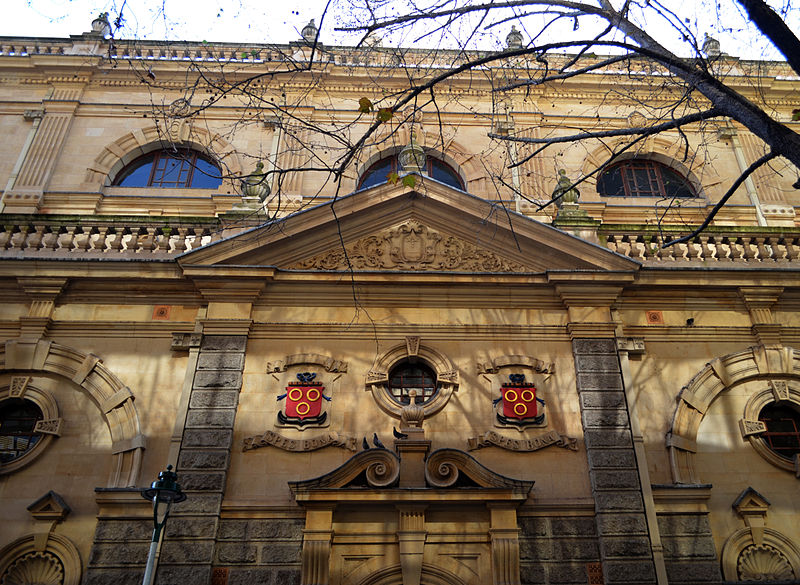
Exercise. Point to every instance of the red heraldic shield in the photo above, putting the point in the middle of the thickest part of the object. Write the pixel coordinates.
(303, 401)
(519, 401)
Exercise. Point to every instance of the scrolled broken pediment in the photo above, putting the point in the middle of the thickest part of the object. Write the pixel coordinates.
(375, 468)
(411, 246)
(451, 467)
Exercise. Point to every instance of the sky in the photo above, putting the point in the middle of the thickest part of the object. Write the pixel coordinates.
(280, 21)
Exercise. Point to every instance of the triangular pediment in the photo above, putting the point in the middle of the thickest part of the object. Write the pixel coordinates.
(432, 228)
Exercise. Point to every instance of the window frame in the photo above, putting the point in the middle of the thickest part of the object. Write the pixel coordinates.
(186, 157)
(631, 187)
(400, 393)
(394, 166)
(768, 435)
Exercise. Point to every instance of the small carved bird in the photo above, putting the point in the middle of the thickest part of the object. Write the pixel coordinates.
(376, 441)
(398, 435)
(364, 444)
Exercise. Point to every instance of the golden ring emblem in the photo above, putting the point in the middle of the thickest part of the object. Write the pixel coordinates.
(294, 396)
(520, 409)
(302, 408)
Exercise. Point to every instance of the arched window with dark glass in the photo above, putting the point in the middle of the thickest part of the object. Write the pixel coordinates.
(408, 376)
(643, 178)
(783, 429)
(18, 418)
(171, 169)
(437, 169)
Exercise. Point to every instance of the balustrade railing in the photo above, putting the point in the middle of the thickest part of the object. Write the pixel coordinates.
(715, 247)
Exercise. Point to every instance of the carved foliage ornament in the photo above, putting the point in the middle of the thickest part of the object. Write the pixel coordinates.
(411, 246)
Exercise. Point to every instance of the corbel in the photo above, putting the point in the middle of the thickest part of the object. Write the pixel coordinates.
(759, 302)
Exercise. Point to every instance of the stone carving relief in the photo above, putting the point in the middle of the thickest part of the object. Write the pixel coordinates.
(34, 568)
(763, 563)
(492, 438)
(274, 439)
(411, 246)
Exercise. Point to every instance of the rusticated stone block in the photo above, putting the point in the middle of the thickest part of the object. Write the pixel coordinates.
(693, 524)
(611, 459)
(214, 399)
(594, 346)
(563, 573)
(212, 379)
(599, 381)
(596, 363)
(173, 575)
(535, 549)
(607, 438)
(572, 526)
(619, 501)
(220, 438)
(123, 530)
(128, 576)
(626, 547)
(575, 549)
(232, 530)
(693, 572)
(275, 529)
(223, 343)
(210, 418)
(203, 460)
(639, 572)
(198, 503)
(119, 554)
(255, 576)
(532, 574)
(280, 553)
(220, 361)
(701, 546)
(187, 551)
(188, 527)
(621, 479)
(534, 526)
(606, 417)
(623, 524)
(204, 481)
(287, 576)
(609, 399)
(236, 552)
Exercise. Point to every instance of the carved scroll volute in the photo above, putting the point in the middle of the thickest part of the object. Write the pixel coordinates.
(440, 470)
(382, 471)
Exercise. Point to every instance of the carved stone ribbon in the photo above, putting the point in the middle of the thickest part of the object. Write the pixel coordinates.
(272, 438)
(490, 438)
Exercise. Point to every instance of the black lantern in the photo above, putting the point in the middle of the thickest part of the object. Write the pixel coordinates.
(163, 493)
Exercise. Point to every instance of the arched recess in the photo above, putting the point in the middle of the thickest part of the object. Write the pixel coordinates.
(718, 375)
(445, 572)
(112, 397)
(33, 556)
(116, 155)
(452, 152)
(773, 551)
(657, 148)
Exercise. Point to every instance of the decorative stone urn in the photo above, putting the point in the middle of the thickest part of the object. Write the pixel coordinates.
(412, 157)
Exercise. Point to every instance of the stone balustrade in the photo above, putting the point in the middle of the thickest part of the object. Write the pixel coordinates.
(716, 245)
(43, 238)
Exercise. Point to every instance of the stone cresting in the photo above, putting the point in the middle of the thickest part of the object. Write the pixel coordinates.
(411, 246)
(623, 537)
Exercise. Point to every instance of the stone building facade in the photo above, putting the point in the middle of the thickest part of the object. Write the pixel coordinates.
(430, 383)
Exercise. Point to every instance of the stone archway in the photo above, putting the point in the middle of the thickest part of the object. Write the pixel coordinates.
(109, 394)
(444, 573)
(755, 363)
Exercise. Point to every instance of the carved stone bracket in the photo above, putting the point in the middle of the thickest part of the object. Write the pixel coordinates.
(493, 366)
(185, 341)
(18, 386)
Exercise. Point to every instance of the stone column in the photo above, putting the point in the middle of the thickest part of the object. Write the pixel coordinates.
(623, 538)
(203, 459)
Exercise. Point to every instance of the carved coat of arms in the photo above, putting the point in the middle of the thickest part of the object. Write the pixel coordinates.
(304, 402)
(518, 404)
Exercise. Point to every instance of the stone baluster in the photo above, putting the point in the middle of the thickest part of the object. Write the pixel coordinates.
(748, 250)
(737, 249)
(706, 251)
(665, 252)
(764, 251)
(648, 246)
(792, 249)
(17, 241)
(50, 239)
(115, 245)
(66, 238)
(148, 241)
(5, 236)
(35, 239)
(133, 243)
(100, 243)
(198, 238)
(162, 240)
(83, 239)
(180, 240)
(611, 243)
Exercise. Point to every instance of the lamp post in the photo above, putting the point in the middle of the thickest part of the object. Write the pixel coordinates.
(163, 493)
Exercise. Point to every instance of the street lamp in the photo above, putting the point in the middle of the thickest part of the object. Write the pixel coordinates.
(163, 493)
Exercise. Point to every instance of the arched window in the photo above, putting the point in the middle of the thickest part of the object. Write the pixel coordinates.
(643, 178)
(782, 436)
(171, 169)
(18, 418)
(408, 376)
(436, 169)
